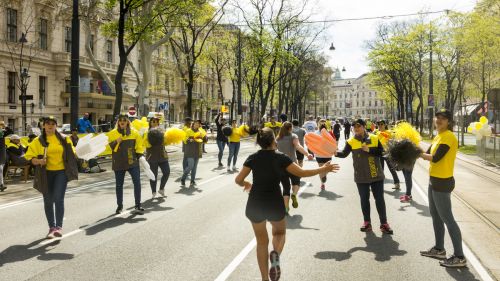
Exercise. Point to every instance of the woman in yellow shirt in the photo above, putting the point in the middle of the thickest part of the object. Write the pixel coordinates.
(56, 153)
(441, 155)
(234, 146)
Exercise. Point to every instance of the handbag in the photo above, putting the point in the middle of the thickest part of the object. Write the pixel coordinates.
(40, 181)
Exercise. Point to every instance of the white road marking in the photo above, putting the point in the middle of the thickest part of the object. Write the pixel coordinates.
(244, 253)
(76, 231)
(471, 258)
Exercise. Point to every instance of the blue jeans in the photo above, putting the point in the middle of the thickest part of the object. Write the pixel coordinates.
(441, 213)
(57, 182)
(192, 165)
(378, 193)
(165, 170)
(135, 173)
(221, 145)
(234, 148)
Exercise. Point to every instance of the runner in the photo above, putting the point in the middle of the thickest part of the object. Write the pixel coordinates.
(56, 153)
(234, 146)
(310, 125)
(347, 130)
(265, 202)
(322, 159)
(126, 147)
(220, 122)
(288, 144)
(275, 126)
(336, 130)
(383, 133)
(366, 152)
(301, 133)
(156, 155)
(192, 152)
(442, 154)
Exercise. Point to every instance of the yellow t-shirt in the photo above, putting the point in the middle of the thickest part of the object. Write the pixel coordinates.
(235, 136)
(444, 167)
(55, 161)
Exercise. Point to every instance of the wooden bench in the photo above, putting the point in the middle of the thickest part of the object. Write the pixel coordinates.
(25, 171)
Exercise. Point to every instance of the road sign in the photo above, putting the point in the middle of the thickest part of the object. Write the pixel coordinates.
(224, 109)
(26, 97)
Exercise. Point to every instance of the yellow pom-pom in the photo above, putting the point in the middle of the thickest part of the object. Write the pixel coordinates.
(483, 120)
(469, 129)
(174, 136)
(405, 130)
(244, 130)
(478, 126)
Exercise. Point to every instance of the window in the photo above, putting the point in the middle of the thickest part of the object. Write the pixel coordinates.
(363, 103)
(42, 89)
(67, 86)
(92, 43)
(11, 87)
(11, 25)
(109, 51)
(376, 103)
(369, 103)
(43, 34)
(67, 39)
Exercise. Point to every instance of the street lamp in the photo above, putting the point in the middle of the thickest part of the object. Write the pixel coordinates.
(332, 48)
(25, 78)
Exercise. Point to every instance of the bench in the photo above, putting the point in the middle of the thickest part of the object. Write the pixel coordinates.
(25, 171)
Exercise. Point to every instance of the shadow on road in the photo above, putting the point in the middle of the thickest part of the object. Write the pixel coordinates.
(189, 190)
(295, 221)
(423, 209)
(18, 253)
(383, 247)
(115, 222)
(328, 195)
(461, 274)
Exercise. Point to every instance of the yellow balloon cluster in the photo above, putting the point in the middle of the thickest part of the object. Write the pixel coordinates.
(244, 130)
(140, 125)
(480, 129)
(405, 130)
(174, 136)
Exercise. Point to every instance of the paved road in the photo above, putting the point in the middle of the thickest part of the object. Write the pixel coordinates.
(202, 234)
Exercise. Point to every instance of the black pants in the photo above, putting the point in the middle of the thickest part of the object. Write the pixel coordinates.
(165, 170)
(408, 181)
(391, 169)
(347, 134)
(378, 193)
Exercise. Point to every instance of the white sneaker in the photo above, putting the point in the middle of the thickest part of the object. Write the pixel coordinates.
(162, 192)
(228, 169)
(234, 169)
(154, 195)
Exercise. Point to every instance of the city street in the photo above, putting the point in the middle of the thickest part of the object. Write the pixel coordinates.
(202, 233)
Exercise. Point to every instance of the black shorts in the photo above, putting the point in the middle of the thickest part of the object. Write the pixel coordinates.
(300, 156)
(285, 183)
(265, 208)
(322, 160)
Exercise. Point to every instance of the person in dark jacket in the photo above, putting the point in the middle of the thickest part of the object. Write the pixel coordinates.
(15, 151)
(192, 152)
(56, 153)
(347, 129)
(368, 173)
(336, 130)
(126, 146)
(84, 124)
(156, 154)
(3, 155)
(220, 122)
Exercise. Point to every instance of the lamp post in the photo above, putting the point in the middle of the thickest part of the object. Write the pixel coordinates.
(75, 65)
(25, 78)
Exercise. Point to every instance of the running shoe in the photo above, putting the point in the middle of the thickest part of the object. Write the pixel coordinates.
(275, 270)
(183, 182)
(366, 227)
(220, 164)
(434, 253)
(228, 169)
(396, 186)
(405, 198)
(154, 195)
(139, 209)
(192, 184)
(58, 232)
(235, 169)
(454, 261)
(162, 192)
(385, 228)
(295, 203)
(119, 210)
(2, 187)
(322, 186)
(51, 235)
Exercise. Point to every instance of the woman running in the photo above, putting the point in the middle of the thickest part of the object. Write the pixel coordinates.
(322, 159)
(56, 153)
(126, 146)
(288, 144)
(156, 154)
(442, 154)
(301, 133)
(234, 146)
(192, 152)
(366, 152)
(265, 202)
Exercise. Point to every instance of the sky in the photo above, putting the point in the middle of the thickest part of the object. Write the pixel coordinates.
(348, 37)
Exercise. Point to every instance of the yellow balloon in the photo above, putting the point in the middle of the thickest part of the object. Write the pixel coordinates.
(144, 119)
(469, 129)
(483, 120)
(478, 126)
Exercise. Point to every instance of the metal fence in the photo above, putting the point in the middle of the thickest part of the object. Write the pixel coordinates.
(488, 148)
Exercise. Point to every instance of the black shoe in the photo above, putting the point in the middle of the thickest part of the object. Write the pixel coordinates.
(183, 182)
(2, 187)
(220, 164)
(119, 210)
(139, 209)
(192, 184)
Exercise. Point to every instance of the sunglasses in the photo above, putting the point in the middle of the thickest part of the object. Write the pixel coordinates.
(357, 125)
(122, 120)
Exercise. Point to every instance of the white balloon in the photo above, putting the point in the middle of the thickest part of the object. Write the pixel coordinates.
(146, 168)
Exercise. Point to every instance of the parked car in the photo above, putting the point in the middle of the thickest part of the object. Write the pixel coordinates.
(65, 129)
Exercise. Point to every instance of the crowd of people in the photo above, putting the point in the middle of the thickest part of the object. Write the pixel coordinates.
(277, 169)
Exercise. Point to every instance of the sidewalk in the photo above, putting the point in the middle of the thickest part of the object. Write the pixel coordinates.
(476, 206)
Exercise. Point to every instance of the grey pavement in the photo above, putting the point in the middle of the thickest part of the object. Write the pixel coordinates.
(198, 233)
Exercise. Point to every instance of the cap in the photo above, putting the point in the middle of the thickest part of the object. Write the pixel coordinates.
(14, 137)
(122, 116)
(360, 122)
(49, 118)
(445, 113)
(382, 122)
(188, 119)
